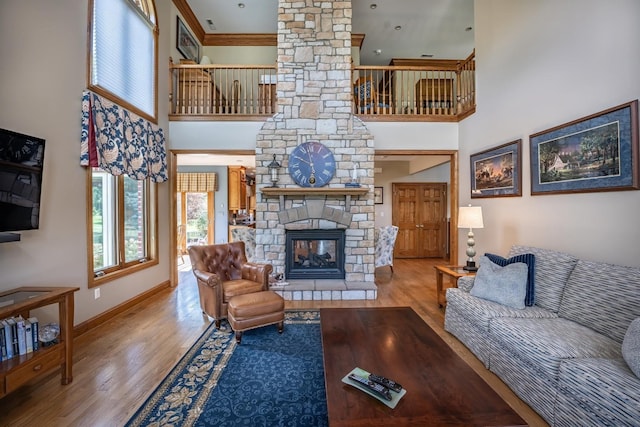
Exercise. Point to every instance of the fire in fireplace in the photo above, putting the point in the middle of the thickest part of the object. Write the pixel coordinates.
(314, 254)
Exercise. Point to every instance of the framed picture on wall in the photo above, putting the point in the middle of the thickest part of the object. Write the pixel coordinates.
(595, 153)
(186, 43)
(377, 195)
(497, 172)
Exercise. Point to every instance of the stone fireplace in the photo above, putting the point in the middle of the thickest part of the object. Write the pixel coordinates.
(314, 254)
(314, 91)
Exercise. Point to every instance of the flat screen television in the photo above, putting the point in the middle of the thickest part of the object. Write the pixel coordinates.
(21, 161)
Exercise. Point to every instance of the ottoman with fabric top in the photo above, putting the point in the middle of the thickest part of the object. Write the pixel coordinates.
(255, 310)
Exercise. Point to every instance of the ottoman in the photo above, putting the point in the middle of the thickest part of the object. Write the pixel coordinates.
(254, 310)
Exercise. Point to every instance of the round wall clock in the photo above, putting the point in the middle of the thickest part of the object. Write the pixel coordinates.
(311, 164)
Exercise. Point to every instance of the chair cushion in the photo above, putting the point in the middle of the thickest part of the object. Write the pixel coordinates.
(233, 288)
(255, 304)
(505, 285)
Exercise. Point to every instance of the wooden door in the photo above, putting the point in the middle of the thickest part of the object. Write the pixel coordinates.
(419, 211)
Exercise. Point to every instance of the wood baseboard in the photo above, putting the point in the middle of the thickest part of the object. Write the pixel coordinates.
(89, 324)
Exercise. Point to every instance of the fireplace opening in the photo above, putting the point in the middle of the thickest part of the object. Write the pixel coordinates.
(314, 254)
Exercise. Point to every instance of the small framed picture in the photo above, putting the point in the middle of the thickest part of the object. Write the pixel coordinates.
(497, 172)
(186, 43)
(377, 195)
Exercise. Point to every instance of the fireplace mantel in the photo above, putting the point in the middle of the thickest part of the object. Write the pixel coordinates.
(347, 192)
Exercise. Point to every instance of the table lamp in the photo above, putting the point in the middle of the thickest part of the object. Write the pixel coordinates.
(470, 217)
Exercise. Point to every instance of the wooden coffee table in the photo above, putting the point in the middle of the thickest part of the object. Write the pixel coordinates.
(396, 343)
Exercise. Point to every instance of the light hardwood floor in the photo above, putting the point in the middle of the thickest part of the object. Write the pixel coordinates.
(117, 364)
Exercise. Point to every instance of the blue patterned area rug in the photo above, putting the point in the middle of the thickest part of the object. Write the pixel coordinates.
(271, 379)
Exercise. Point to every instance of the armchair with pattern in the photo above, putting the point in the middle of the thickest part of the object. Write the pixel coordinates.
(248, 236)
(222, 272)
(366, 97)
(385, 242)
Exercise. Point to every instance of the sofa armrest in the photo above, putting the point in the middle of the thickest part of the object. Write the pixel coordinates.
(466, 283)
(257, 273)
(210, 279)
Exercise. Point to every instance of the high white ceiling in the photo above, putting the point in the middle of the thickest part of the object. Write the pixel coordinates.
(442, 28)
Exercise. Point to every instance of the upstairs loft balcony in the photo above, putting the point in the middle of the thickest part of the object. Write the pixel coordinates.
(405, 90)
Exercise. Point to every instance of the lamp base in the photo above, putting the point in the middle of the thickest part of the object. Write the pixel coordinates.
(471, 266)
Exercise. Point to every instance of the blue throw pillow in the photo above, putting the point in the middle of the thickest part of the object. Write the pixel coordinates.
(530, 260)
(505, 285)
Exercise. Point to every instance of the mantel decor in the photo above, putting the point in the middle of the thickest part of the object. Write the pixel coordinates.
(595, 153)
(186, 43)
(497, 172)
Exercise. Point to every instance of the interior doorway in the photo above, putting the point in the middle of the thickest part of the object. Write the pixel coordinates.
(420, 212)
(417, 161)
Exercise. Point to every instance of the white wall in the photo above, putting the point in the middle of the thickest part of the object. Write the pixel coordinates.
(540, 64)
(43, 74)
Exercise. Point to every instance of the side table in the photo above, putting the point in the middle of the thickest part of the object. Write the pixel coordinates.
(453, 272)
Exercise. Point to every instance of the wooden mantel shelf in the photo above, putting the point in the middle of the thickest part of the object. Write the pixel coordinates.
(295, 191)
(347, 192)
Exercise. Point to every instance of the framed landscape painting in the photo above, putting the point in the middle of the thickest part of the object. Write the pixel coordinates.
(497, 172)
(594, 153)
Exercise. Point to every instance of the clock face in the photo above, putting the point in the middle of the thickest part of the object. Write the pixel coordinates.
(311, 164)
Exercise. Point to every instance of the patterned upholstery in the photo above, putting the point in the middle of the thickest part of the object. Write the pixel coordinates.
(527, 355)
(593, 289)
(248, 236)
(612, 400)
(552, 271)
(465, 311)
(563, 356)
(366, 96)
(385, 242)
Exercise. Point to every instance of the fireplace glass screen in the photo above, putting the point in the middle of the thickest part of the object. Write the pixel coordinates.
(315, 254)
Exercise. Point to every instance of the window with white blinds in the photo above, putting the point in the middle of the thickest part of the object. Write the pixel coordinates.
(123, 53)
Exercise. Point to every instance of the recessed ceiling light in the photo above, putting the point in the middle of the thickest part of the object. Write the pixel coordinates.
(426, 55)
(373, 6)
(241, 5)
(398, 27)
(377, 51)
(468, 29)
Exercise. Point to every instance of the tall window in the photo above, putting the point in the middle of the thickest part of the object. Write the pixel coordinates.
(124, 45)
(123, 68)
(121, 222)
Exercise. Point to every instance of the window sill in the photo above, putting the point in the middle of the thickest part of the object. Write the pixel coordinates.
(98, 281)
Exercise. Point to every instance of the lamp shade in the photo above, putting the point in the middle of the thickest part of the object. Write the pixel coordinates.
(205, 60)
(470, 217)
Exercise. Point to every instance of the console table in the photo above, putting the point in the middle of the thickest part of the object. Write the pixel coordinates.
(20, 369)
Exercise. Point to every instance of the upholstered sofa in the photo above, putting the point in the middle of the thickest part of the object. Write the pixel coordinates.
(571, 355)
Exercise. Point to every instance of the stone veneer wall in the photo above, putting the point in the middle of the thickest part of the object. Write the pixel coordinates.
(314, 93)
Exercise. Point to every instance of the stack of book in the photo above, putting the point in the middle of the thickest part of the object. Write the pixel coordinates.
(18, 336)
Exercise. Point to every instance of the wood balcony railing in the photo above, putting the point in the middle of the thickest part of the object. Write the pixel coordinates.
(432, 90)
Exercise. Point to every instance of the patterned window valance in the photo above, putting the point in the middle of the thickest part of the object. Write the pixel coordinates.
(121, 142)
(197, 182)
